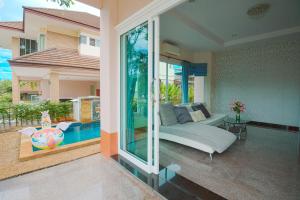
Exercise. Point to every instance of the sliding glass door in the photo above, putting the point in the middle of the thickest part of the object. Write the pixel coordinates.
(137, 96)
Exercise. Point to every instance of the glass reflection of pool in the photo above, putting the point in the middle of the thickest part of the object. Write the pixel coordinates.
(79, 132)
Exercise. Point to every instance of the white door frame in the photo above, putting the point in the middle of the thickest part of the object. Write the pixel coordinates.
(148, 14)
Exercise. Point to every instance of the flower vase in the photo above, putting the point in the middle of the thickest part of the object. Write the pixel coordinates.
(238, 117)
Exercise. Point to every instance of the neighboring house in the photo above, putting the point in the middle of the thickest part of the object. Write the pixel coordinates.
(58, 50)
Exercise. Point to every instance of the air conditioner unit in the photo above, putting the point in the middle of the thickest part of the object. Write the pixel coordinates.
(170, 49)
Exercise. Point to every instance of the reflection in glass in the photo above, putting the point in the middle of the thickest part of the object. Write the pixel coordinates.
(134, 110)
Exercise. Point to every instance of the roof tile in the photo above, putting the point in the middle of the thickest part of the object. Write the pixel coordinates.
(59, 58)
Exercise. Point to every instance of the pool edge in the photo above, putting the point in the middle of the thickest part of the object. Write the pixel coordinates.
(26, 152)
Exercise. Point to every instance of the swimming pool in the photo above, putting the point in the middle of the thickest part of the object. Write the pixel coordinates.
(79, 132)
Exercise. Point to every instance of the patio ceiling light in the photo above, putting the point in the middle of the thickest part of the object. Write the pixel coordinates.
(259, 10)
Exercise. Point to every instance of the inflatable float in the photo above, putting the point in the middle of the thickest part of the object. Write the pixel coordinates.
(47, 137)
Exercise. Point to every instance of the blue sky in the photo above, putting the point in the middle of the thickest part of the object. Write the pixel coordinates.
(5, 71)
(12, 10)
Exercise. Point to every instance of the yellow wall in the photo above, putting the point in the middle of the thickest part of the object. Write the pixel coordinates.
(57, 40)
(86, 114)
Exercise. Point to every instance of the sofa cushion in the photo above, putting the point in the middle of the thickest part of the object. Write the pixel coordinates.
(214, 120)
(167, 114)
(182, 114)
(201, 107)
(197, 116)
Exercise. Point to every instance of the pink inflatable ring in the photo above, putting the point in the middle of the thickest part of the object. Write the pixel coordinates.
(48, 138)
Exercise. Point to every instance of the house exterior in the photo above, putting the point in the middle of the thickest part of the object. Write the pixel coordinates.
(53, 49)
(118, 20)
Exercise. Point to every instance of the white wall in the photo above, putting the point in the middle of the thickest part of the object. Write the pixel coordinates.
(265, 75)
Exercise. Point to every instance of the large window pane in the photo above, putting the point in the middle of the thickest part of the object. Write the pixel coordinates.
(27, 46)
(42, 42)
(22, 47)
(33, 46)
(134, 56)
(170, 83)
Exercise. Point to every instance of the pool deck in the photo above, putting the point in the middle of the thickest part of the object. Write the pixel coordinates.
(92, 177)
(11, 166)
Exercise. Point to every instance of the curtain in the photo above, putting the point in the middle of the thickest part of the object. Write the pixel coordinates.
(185, 82)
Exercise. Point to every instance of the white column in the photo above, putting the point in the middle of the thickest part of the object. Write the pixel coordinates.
(45, 88)
(15, 88)
(109, 76)
(199, 89)
(54, 87)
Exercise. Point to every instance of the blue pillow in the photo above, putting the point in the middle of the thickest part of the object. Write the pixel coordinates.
(182, 114)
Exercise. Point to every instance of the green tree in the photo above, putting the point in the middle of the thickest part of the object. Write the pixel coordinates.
(66, 3)
(5, 91)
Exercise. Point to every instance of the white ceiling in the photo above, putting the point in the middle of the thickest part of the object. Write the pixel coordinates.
(203, 25)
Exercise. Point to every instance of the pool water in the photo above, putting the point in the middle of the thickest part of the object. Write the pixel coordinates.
(79, 132)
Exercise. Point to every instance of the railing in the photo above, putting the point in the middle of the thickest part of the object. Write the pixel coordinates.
(30, 114)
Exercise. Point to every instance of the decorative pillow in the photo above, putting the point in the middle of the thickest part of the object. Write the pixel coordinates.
(182, 114)
(201, 107)
(197, 116)
(167, 114)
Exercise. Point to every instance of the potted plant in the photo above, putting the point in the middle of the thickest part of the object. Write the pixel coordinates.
(238, 107)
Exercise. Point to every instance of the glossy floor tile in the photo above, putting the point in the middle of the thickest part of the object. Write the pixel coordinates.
(265, 165)
(89, 178)
(168, 183)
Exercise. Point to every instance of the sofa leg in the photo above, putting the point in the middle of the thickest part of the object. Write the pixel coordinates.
(210, 155)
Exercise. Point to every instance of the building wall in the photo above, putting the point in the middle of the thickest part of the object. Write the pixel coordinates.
(15, 44)
(73, 89)
(57, 40)
(265, 75)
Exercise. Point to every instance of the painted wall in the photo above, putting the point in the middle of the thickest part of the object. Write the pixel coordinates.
(73, 89)
(265, 75)
(57, 40)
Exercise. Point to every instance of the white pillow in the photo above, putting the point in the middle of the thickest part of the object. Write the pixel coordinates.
(197, 116)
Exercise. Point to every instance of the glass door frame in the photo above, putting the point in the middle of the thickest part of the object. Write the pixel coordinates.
(152, 164)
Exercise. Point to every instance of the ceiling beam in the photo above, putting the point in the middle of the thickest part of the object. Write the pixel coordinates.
(263, 36)
(197, 27)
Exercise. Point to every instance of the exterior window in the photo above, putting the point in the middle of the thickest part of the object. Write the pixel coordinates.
(82, 39)
(42, 42)
(97, 43)
(92, 42)
(27, 46)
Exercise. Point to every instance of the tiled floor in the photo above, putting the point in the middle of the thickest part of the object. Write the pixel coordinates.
(89, 178)
(169, 184)
(264, 166)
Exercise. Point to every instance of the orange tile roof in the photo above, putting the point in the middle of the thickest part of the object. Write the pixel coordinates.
(72, 16)
(55, 57)
(12, 24)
